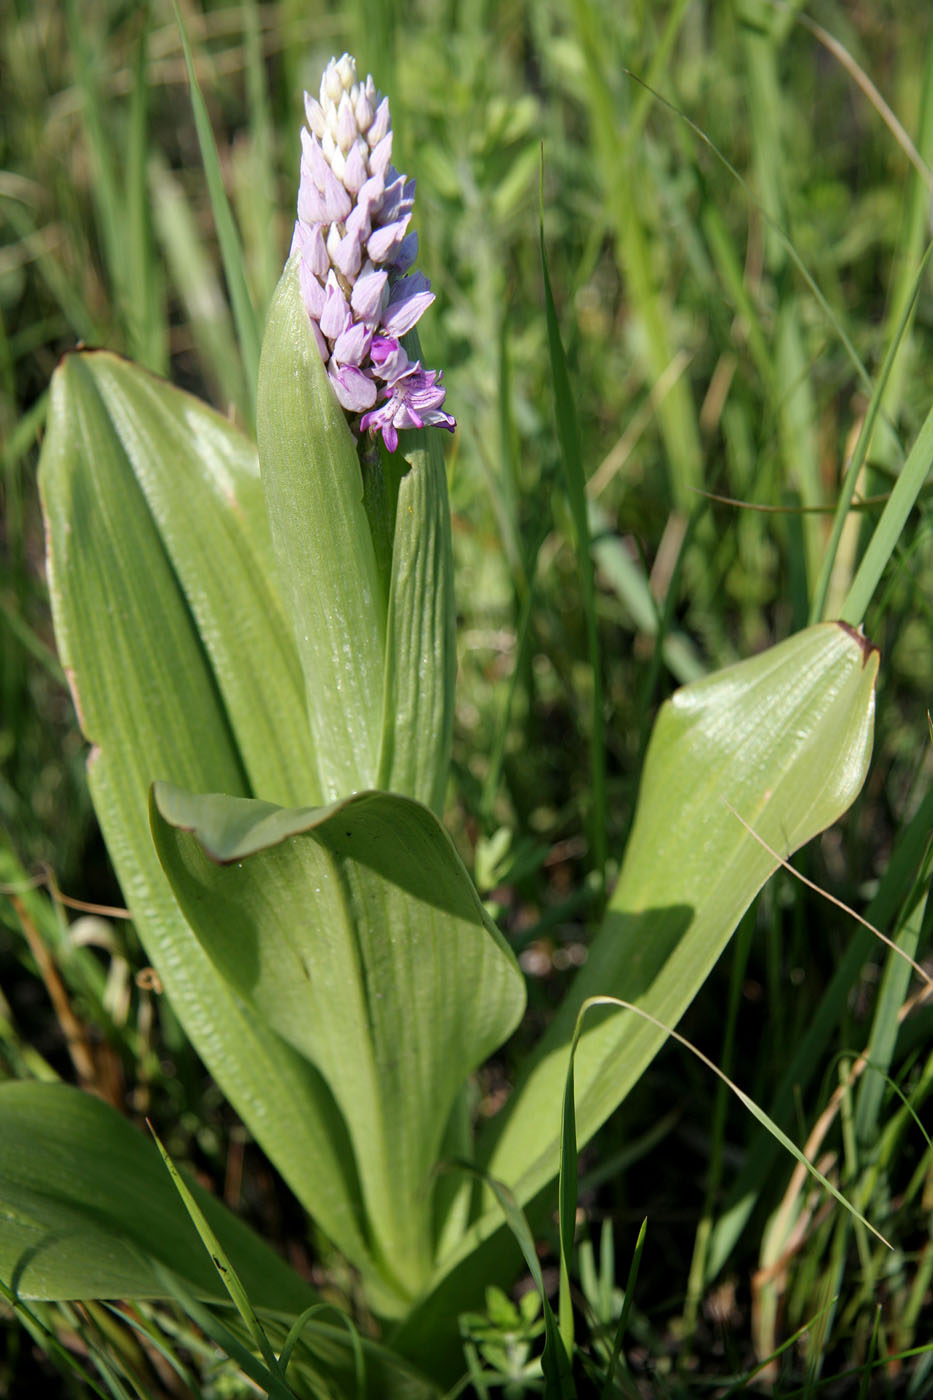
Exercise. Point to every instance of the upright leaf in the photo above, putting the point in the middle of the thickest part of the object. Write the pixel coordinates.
(421, 652)
(327, 566)
(131, 584)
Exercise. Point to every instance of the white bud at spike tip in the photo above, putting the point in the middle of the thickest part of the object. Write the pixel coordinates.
(356, 253)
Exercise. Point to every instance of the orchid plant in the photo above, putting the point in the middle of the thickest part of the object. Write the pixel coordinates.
(260, 643)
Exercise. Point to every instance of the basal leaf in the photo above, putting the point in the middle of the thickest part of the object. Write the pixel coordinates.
(86, 1204)
(89, 1211)
(161, 588)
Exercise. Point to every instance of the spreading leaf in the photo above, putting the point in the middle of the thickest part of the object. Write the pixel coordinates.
(356, 931)
(783, 741)
(89, 1211)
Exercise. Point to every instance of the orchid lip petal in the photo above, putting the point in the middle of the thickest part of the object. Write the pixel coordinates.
(408, 301)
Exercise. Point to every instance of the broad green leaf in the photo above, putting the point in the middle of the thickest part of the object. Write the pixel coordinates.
(326, 562)
(200, 479)
(356, 930)
(157, 700)
(87, 1203)
(421, 656)
(782, 741)
(89, 1211)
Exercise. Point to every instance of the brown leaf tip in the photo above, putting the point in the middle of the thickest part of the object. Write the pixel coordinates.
(859, 637)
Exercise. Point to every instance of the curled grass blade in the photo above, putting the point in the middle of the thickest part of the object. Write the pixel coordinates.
(309, 1314)
(787, 1143)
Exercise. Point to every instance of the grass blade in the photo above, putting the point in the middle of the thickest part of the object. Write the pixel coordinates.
(144, 322)
(862, 445)
(231, 249)
(568, 433)
(787, 1143)
(555, 1363)
(225, 1270)
(625, 1314)
(907, 488)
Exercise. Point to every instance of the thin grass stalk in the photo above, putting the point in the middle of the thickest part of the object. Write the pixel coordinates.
(889, 529)
(896, 882)
(891, 996)
(850, 480)
(231, 248)
(622, 177)
(569, 437)
(717, 1134)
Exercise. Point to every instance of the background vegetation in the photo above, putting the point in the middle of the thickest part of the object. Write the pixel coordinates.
(736, 200)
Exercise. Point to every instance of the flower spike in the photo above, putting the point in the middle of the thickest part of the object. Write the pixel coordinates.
(356, 252)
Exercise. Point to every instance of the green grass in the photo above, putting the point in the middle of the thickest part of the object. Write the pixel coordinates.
(736, 236)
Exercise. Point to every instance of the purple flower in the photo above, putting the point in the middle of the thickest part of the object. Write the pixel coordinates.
(355, 251)
(412, 396)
